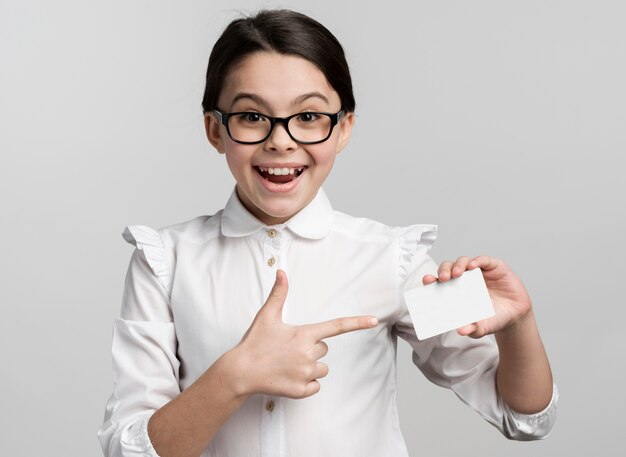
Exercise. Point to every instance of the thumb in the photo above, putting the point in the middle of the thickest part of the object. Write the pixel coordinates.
(273, 307)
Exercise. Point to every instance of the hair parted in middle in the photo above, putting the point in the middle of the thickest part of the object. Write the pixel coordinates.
(283, 31)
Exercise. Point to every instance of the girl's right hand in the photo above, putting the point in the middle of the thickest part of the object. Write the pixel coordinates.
(275, 358)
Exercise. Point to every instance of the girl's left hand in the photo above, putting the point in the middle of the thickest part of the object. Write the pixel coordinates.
(509, 296)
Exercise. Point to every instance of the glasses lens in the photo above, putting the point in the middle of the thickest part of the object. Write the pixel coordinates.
(249, 127)
(309, 127)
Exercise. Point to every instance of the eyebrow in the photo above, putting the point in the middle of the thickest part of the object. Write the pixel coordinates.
(245, 95)
(255, 98)
(304, 97)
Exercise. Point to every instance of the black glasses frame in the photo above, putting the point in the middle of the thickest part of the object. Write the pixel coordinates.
(334, 120)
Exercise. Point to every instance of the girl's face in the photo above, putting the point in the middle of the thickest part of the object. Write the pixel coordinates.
(278, 85)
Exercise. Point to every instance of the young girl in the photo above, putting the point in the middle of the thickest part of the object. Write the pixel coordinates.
(226, 319)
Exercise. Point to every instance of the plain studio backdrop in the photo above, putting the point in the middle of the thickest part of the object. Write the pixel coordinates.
(503, 122)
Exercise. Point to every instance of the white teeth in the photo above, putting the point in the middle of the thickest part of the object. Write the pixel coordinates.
(280, 171)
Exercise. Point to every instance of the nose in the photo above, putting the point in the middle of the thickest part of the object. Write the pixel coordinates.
(279, 140)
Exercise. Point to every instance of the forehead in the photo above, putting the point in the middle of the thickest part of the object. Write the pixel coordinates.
(278, 79)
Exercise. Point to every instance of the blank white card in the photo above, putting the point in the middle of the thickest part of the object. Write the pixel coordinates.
(443, 306)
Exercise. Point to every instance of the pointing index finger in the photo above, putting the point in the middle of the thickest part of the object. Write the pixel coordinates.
(335, 327)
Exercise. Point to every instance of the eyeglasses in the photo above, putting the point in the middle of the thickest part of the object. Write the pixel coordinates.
(305, 128)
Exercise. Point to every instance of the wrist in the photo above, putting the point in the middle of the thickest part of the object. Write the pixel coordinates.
(521, 326)
(233, 374)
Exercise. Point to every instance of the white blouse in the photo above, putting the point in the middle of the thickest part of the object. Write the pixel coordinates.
(193, 289)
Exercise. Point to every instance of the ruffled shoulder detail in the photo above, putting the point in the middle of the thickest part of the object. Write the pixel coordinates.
(410, 238)
(149, 241)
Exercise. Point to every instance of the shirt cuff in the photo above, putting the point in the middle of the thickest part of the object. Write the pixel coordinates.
(536, 426)
(137, 440)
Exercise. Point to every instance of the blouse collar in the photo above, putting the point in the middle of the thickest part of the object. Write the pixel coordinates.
(314, 221)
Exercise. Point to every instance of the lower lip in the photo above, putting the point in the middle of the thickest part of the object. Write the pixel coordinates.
(279, 188)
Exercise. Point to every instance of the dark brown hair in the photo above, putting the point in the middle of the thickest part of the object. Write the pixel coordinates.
(285, 32)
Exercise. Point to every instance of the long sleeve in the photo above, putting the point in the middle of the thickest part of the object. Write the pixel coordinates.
(466, 366)
(145, 365)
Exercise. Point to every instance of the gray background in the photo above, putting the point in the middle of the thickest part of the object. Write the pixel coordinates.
(503, 122)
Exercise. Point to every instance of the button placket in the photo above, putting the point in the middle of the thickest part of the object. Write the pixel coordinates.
(272, 245)
(272, 423)
(272, 429)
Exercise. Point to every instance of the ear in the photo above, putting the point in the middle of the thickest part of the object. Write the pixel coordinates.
(345, 131)
(213, 132)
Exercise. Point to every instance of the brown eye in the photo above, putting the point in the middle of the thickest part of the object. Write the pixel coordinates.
(307, 117)
(252, 117)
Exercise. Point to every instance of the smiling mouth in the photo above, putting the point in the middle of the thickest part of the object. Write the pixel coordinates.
(280, 175)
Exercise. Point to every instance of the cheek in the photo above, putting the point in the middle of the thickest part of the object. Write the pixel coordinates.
(324, 155)
(238, 162)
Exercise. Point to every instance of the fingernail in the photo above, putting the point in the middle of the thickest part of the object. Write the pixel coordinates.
(373, 321)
